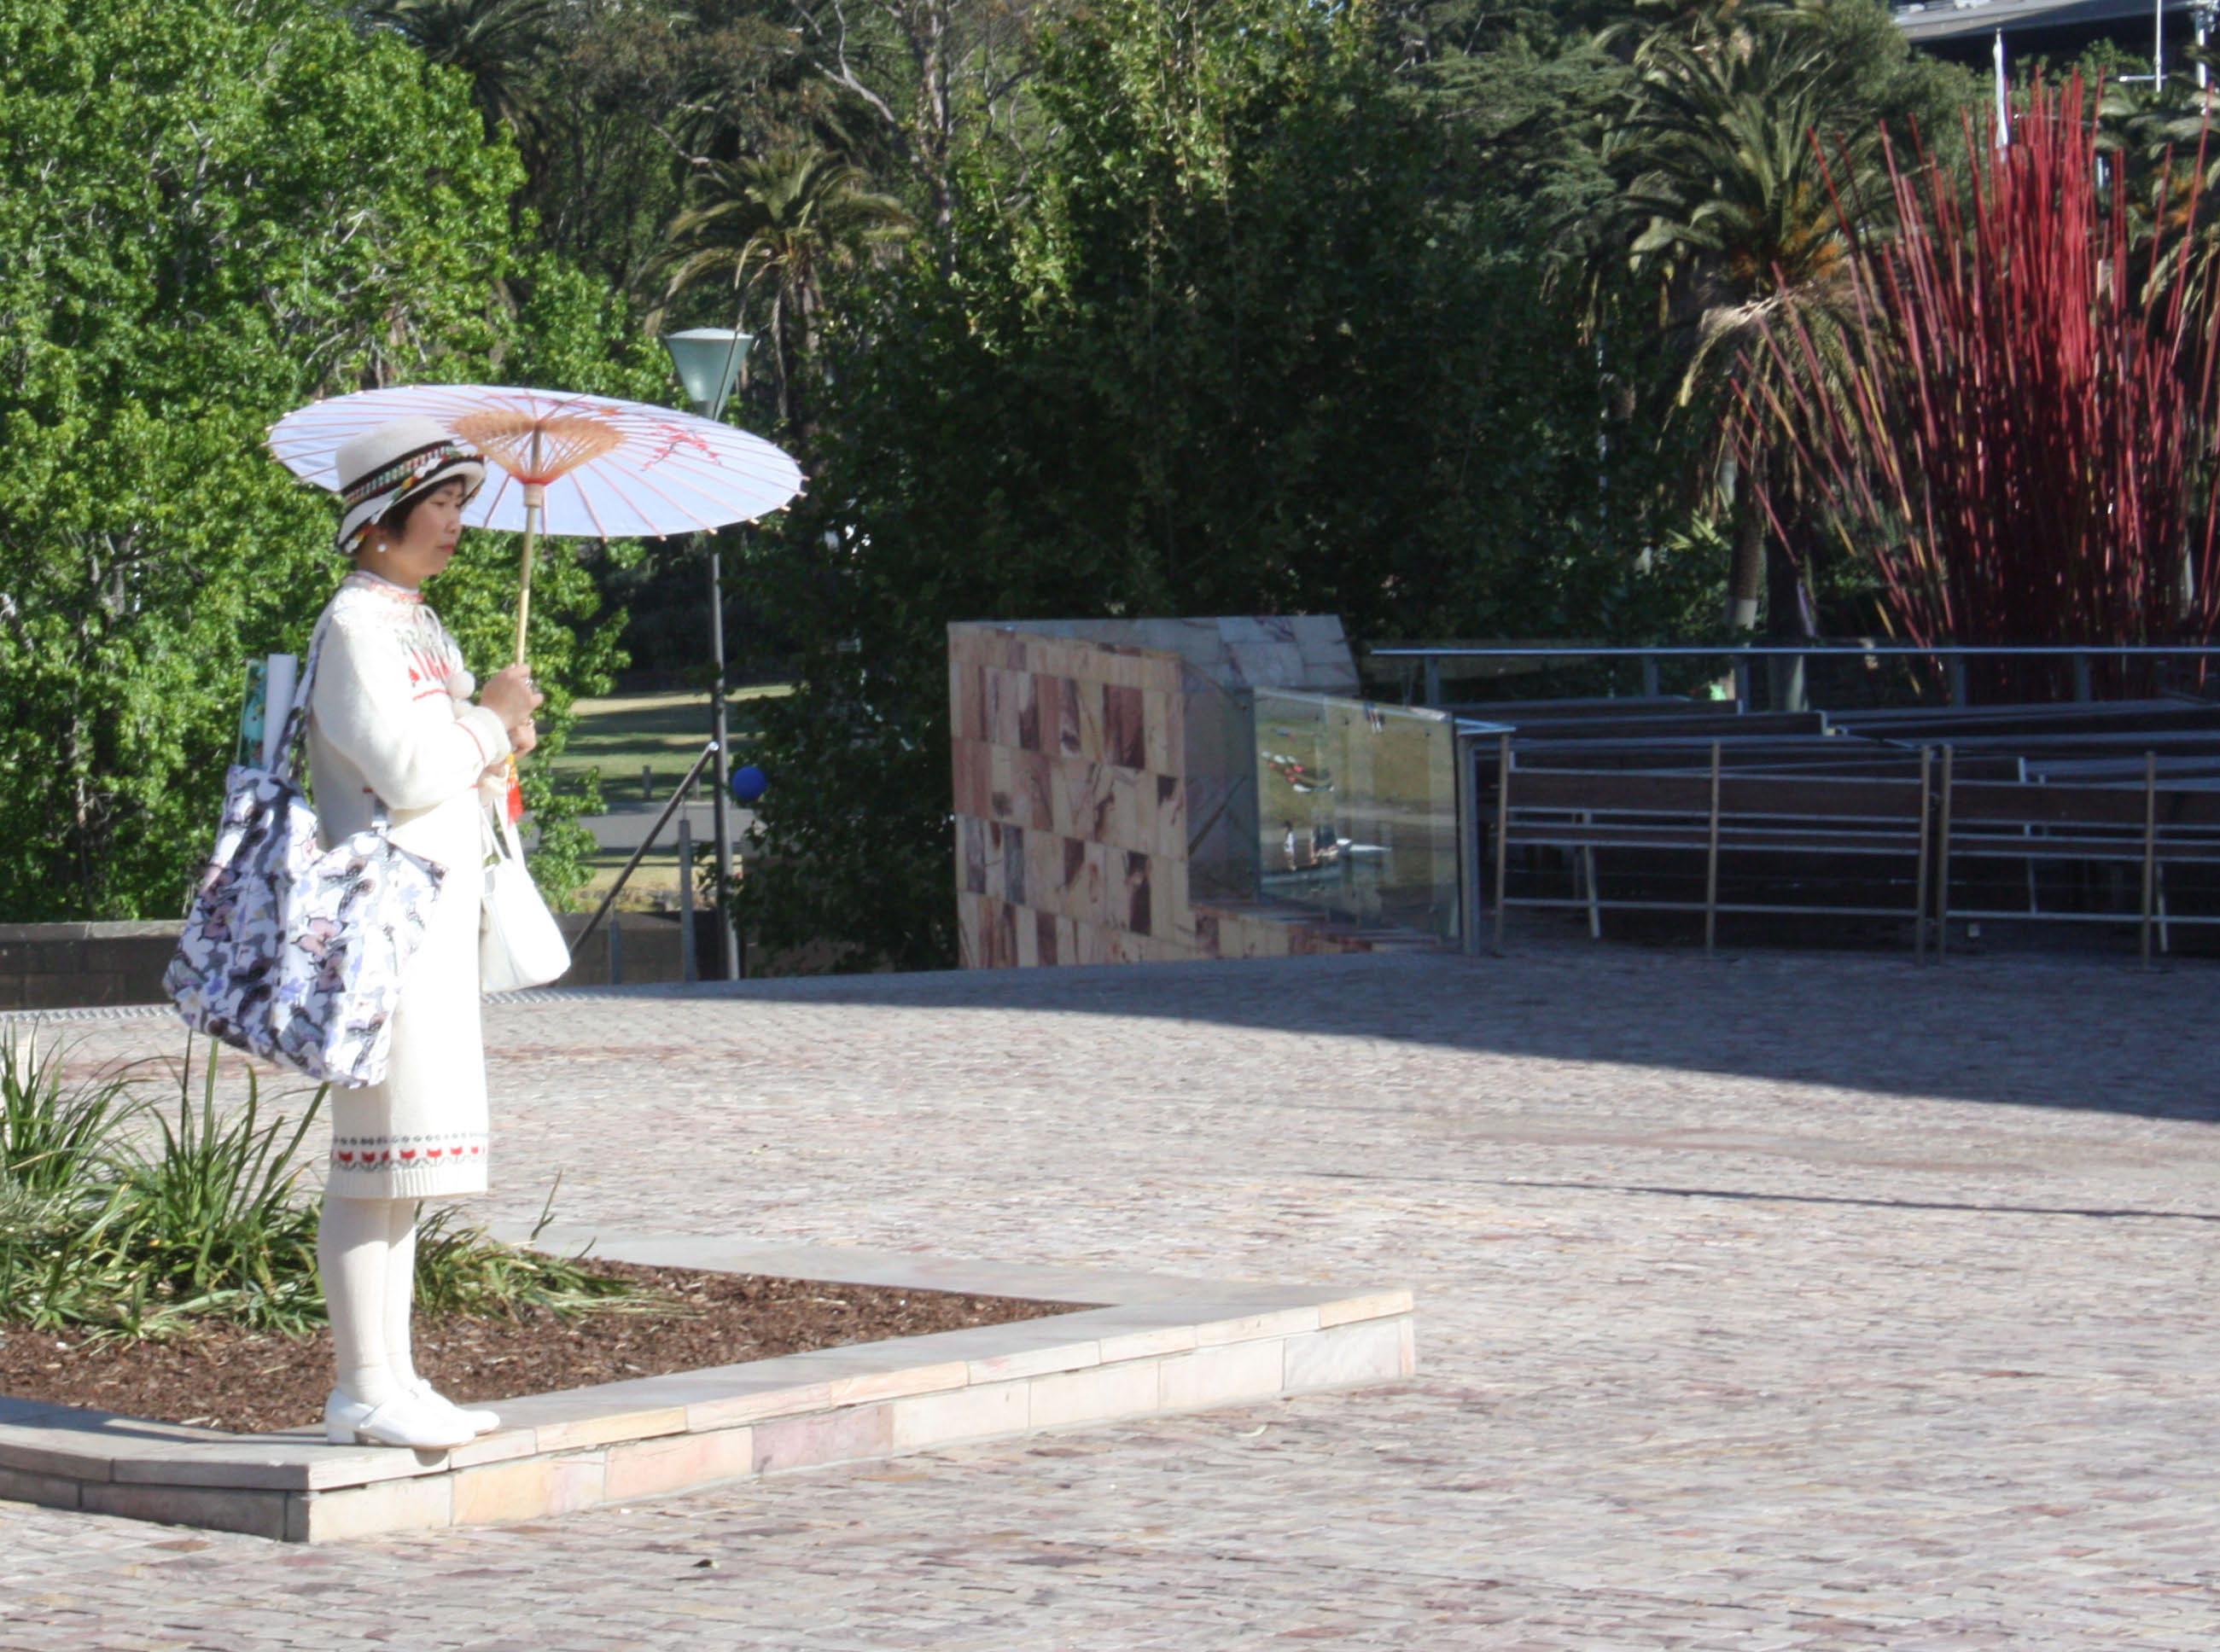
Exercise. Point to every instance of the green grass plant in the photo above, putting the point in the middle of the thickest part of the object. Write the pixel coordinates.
(460, 1269)
(54, 1137)
(119, 1218)
(207, 1219)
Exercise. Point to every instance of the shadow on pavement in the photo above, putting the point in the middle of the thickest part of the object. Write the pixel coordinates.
(2084, 1033)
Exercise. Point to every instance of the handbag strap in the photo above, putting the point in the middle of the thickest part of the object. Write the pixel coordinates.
(295, 735)
(294, 739)
(498, 835)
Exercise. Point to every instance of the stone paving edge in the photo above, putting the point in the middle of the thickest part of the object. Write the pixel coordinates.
(1154, 1345)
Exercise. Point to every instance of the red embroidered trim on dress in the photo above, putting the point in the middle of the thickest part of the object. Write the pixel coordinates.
(361, 1153)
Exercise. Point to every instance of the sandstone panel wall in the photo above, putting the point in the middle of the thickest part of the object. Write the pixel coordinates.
(1105, 785)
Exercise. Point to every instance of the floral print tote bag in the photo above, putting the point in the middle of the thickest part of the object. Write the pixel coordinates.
(294, 952)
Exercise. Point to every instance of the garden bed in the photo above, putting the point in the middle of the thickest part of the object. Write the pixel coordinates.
(220, 1375)
(1156, 1345)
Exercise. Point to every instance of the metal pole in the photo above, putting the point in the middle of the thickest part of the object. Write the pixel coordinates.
(1502, 834)
(1712, 863)
(1942, 865)
(1467, 829)
(2150, 846)
(1919, 890)
(728, 945)
(689, 963)
(678, 796)
(2003, 90)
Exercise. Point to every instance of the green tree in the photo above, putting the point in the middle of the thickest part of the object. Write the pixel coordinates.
(1743, 137)
(1225, 352)
(497, 43)
(777, 225)
(625, 99)
(215, 211)
(1729, 199)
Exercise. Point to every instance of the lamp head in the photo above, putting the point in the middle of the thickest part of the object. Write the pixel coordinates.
(708, 361)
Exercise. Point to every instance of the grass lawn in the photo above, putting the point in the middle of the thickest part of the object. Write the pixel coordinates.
(621, 734)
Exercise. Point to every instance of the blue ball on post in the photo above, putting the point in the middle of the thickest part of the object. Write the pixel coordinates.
(749, 783)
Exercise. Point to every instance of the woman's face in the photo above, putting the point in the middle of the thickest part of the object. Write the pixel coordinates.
(425, 543)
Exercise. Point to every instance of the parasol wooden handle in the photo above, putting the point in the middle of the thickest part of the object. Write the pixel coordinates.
(535, 494)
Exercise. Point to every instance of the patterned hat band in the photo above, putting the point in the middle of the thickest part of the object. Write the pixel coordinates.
(382, 470)
(405, 471)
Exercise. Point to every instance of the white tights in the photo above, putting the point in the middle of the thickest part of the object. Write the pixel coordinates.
(367, 1251)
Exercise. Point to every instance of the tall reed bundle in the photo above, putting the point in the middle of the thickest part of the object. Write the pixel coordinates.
(2020, 434)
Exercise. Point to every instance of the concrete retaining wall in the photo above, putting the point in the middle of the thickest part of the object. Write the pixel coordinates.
(74, 966)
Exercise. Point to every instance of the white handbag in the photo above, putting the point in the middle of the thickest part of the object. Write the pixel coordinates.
(518, 943)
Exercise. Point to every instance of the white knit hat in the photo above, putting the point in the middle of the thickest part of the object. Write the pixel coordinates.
(382, 468)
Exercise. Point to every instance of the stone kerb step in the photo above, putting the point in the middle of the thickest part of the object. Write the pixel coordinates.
(1151, 1345)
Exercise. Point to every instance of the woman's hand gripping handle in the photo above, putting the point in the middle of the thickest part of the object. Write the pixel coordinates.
(509, 695)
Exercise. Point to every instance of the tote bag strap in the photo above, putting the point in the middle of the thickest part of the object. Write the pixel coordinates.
(295, 736)
(294, 739)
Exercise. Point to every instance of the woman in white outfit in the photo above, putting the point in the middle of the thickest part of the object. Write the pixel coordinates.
(392, 722)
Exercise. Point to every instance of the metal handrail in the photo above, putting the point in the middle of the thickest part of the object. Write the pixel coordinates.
(1635, 651)
(1428, 660)
(678, 796)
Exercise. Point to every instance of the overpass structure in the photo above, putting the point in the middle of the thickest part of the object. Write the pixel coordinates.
(1969, 29)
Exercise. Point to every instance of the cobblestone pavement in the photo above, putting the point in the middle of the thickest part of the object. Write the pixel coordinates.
(1788, 1302)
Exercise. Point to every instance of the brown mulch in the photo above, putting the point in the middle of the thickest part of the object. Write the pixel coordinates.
(250, 1383)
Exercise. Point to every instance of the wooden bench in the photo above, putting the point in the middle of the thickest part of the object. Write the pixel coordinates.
(1691, 722)
(2149, 825)
(2117, 718)
(1925, 810)
(1722, 812)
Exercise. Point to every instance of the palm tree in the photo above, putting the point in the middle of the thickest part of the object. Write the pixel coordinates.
(777, 224)
(1737, 154)
(498, 43)
(2152, 139)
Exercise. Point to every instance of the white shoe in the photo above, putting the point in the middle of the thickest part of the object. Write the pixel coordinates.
(340, 1415)
(402, 1420)
(479, 1422)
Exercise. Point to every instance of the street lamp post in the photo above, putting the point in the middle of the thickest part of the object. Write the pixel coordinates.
(707, 360)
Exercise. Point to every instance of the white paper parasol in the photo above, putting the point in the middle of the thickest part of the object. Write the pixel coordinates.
(582, 466)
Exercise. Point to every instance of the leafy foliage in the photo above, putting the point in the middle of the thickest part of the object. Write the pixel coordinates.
(1416, 311)
(217, 211)
(779, 223)
(1231, 359)
(1742, 140)
(54, 1135)
(205, 1219)
(2025, 446)
(103, 1227)
(494, 42)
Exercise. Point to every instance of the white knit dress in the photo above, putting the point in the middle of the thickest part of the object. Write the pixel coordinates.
(390, 718)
